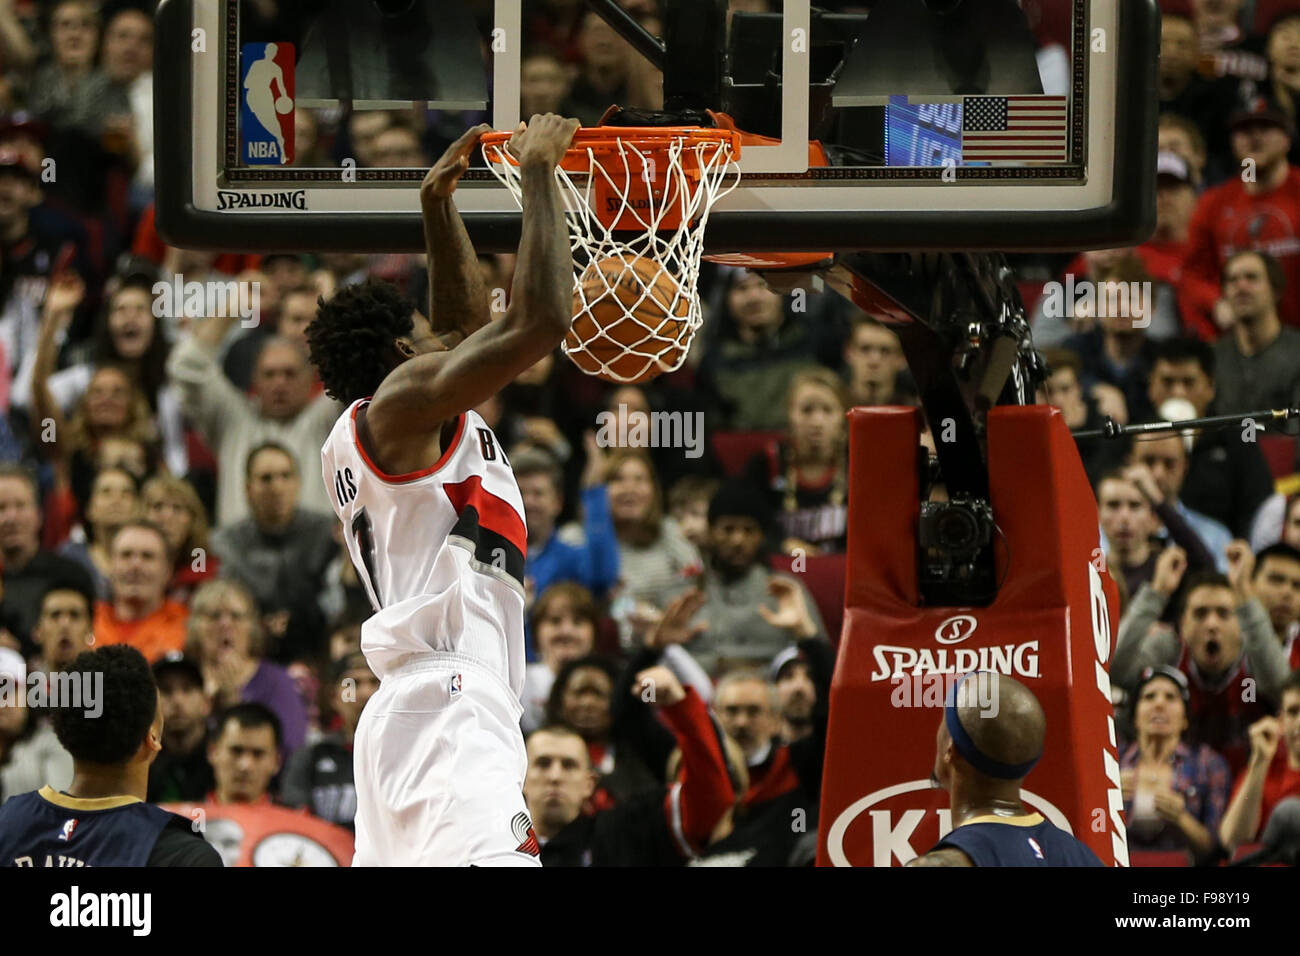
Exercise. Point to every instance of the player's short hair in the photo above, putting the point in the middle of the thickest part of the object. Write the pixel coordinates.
(1185, 349)
(251, 715)
(352, 339)
(128, 705)
(1281, 550)
(269, 446)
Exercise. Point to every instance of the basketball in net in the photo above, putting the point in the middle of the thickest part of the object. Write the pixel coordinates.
(637, 200)
(631, 321)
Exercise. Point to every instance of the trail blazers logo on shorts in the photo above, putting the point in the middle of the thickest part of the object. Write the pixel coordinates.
(525, 834)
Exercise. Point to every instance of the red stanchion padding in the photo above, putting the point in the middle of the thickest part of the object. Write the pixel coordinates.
(1051, 627)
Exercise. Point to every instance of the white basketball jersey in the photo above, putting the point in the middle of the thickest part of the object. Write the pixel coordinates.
(441, 551)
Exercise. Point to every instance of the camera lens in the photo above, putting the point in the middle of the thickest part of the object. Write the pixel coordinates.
(957, 530)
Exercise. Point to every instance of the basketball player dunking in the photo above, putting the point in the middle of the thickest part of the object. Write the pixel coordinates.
(435, 524)
(981, 759)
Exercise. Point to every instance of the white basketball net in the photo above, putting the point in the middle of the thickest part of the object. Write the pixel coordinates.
(648, 232)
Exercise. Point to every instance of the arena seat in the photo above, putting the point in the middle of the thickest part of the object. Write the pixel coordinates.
(734, 449)
(1280, 453)
(823, 576)
(1266, 11)
(1158, 858)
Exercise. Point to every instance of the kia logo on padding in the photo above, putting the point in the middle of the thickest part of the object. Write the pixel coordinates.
(955, 629)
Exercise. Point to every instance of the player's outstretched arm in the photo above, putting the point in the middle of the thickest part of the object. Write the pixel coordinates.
(458, 301)
(428, 390)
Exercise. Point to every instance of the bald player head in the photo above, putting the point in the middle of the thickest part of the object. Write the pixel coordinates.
(982, 753)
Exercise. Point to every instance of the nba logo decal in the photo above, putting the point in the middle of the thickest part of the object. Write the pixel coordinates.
(68, 826)
(266, 104)
(1038, 850)
(455, 685)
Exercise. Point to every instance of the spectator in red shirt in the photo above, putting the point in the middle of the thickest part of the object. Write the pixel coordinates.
(1272, 774)
(1258, 208)
(1164, 252)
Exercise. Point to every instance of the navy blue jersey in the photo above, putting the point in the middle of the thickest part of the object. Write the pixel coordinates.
(48, 828)
(1018, 841)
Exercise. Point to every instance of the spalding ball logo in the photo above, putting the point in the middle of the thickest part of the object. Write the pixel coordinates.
(956, 629)
(901, 818)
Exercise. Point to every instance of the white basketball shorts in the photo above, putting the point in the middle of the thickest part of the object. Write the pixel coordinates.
(439, 762)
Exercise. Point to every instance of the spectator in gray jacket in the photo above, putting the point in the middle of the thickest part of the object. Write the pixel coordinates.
(280, 408)
(280, 552)
(750, 613)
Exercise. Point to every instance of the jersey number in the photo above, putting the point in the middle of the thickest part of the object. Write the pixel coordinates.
(487, 445)
(366, 545)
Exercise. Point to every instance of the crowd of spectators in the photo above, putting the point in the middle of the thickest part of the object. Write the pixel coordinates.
(160, 487)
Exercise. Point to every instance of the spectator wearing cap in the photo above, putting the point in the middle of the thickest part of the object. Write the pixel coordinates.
(30, 754)
(1259, 208)
(1257, 362)
(319, 777)
(227, 640)
(1224, 644)
(805, 476)
(63, 629)
(1182, 89)
(28, 570)
(1227, 479)
(279, 552)
(1276, 580)
(751, 613)
(655, 562)
(1272, 773)
(796, 694)
(586, 555)
(1164, 253)
(245, 754)
(1174, 793)
(139, 613)
(280, 409)
(182, 771)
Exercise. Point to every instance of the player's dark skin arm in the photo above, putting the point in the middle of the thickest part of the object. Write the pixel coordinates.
(458, 303)
(948, 856)
(408, 422)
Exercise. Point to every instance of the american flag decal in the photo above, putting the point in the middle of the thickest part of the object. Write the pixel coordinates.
(1014, 129)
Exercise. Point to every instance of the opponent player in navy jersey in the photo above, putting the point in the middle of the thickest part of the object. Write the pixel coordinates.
(982, 760)
(102, 819)
(434, 520)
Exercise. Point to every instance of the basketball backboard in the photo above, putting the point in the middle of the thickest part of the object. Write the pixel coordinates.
(950, 124)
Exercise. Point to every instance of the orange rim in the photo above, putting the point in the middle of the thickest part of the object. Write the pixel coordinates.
(606, 141)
